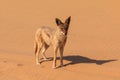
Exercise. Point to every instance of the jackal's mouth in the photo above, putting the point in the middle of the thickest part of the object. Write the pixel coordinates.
(62, 33)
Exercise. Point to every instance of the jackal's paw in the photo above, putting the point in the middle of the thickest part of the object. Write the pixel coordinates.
(54, 67)
(47, 59)
(38, 63)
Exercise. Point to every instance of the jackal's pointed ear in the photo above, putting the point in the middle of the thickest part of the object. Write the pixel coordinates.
(68, 20)
(58, 21)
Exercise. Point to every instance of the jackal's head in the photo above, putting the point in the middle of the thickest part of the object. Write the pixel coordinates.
(63, 26)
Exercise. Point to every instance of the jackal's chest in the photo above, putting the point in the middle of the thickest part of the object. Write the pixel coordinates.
(62, 43)
(59, 40)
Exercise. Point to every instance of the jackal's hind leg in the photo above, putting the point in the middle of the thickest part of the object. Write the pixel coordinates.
(37, 54)
(44, 48)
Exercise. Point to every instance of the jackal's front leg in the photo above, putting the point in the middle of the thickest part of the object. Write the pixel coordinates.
(61, 56)
(54, 58)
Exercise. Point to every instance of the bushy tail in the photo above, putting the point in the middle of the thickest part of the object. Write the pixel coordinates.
(35, 47)
(38, 40)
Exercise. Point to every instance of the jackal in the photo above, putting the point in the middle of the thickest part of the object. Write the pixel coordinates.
(46, 36)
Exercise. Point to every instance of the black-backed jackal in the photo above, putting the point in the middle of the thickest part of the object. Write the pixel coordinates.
(46, 36)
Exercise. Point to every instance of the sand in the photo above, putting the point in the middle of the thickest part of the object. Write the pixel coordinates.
(92, 51)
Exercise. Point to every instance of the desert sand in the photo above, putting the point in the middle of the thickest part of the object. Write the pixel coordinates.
(92, 51)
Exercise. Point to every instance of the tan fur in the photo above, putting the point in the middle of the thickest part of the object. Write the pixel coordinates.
(46, 36)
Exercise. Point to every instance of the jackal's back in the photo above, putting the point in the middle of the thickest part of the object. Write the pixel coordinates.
(45, 34)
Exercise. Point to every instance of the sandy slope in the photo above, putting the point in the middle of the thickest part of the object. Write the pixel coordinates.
(22, 67)
(92, 51)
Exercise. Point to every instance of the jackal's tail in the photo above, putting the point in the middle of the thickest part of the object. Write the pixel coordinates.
(35, 47)
(38, 40)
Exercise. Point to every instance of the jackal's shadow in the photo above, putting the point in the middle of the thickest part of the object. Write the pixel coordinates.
(76, 59)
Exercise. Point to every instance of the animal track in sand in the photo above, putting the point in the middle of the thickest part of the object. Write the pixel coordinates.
(19, 64)
(5, 61)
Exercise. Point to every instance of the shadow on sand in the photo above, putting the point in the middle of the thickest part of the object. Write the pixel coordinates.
(76, 59)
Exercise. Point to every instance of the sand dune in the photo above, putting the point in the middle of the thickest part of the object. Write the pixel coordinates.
(91, 53)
